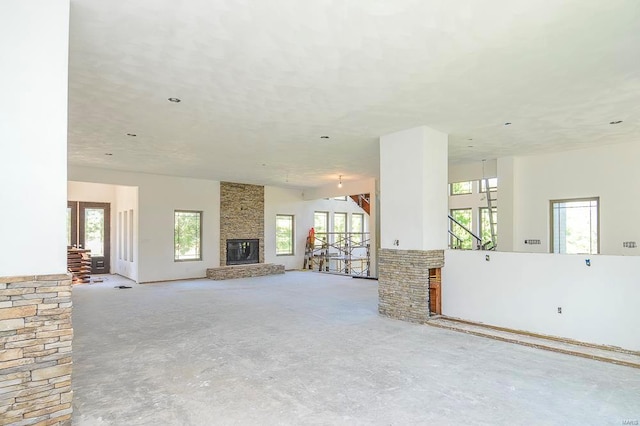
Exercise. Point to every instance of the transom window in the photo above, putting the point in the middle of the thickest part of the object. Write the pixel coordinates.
(493, 185)
(461, 188)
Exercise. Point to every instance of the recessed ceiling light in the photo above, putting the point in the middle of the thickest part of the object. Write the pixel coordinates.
(108, 153)
(470, 139)
(133, 135)
(469, 146)
(324, 137)
(616, 122)
(507, 124)
(175, 100)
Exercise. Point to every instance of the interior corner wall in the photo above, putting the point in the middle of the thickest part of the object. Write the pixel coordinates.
(34, 41)
(506, 197)
(523, 291)
(609, 172)
(158, 198)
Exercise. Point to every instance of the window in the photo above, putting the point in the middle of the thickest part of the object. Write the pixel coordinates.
(321, 226)
(187, 235)
(460, 188)
(462, 238)
(493, 185)
(340, 222)
(575, 226)
(321, 221)
(284, 234)
(339, 227)
(485, 225)
(357, 226)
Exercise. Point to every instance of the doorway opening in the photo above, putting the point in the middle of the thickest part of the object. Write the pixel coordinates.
(89, 228)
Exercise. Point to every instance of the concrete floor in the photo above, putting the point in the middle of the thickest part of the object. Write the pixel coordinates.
(308, 348)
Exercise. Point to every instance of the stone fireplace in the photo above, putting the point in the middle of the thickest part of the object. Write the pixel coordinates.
(241, 224)
(243, 251)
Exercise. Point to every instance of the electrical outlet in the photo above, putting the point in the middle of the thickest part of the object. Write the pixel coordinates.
(559, 310)
(487, 257)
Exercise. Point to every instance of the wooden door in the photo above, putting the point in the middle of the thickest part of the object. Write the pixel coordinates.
(435, 294)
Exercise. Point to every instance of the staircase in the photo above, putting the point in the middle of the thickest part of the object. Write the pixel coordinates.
(457, 239)
(461, 234)
(602, 353)
(364, 201)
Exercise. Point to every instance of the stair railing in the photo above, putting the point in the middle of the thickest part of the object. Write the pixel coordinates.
(467, 230)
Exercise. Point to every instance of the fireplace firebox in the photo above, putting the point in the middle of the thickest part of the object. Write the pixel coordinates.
(240, 252)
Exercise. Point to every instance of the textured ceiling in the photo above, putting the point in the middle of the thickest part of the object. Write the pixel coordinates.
(261, 81)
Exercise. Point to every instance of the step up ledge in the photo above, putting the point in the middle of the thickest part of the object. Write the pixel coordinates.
(611, 360)
(542, 336)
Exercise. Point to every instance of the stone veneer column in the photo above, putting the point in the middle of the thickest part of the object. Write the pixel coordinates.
(35, 290)
(413, 220)
(241, 215)
(35, 350)
(403, 283)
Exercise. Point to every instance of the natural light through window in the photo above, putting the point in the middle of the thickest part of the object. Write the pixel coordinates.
(187, 235)
(284, 235)
(461, 188)
(575, 226)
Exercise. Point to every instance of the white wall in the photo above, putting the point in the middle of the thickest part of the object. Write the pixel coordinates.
(33, 133)
(610, 172)
(91, 192)
(507, 198)
(126, 203)
(473, 171)
(413, 189)
(526, 185)
(523, 291)
(158, 198)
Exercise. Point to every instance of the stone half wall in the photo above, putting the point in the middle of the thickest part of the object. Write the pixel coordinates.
(35, 350)
(244, 271)
(403, 283)
(241, 215)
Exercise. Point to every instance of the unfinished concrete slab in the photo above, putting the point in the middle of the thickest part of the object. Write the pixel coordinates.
(309, 348)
